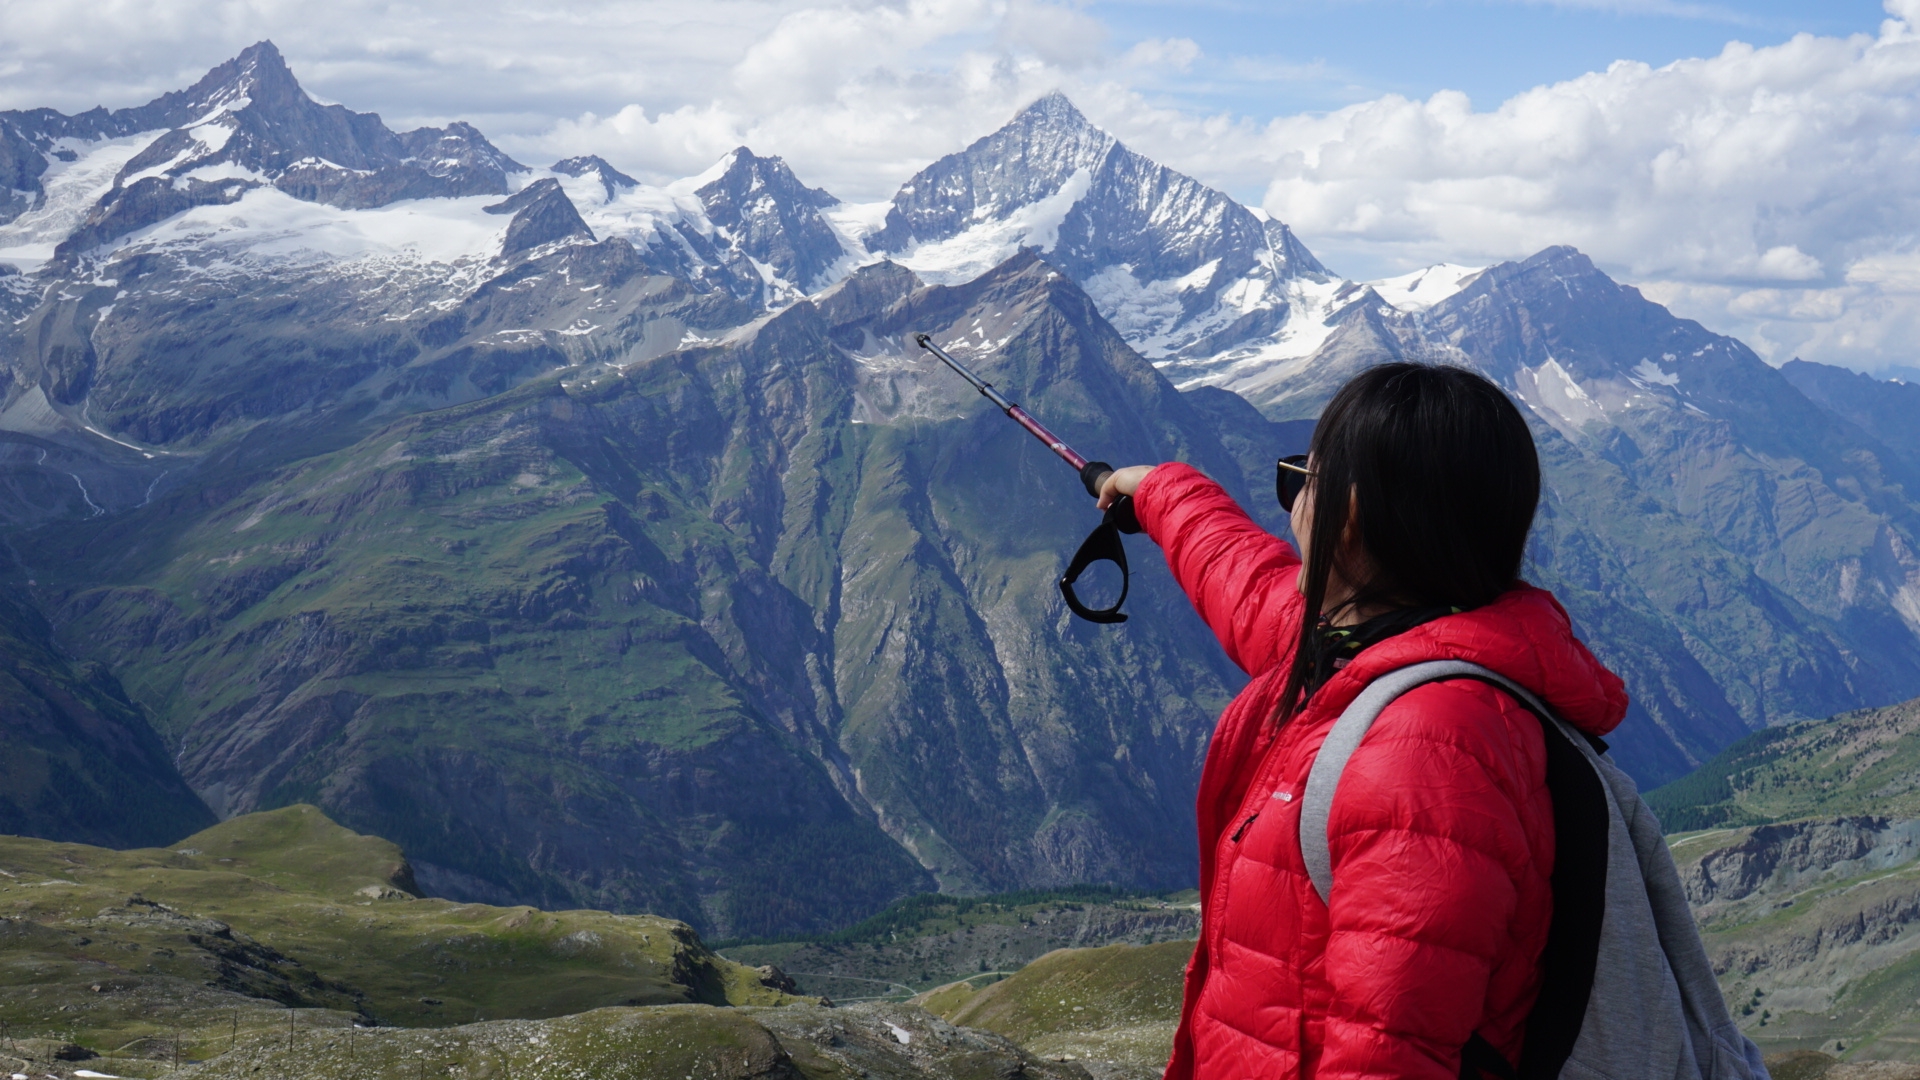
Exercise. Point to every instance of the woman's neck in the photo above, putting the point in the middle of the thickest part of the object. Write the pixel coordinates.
(1341, 611)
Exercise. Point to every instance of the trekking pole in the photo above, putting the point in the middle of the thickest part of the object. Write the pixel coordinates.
(1103, 543)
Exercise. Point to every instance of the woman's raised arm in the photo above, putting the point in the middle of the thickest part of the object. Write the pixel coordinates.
(1239, 576)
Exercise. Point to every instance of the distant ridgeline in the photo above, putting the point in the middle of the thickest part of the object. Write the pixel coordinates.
(611, 545)
(1859, 763)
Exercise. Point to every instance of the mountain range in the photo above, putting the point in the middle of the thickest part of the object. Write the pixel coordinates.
(607, 544)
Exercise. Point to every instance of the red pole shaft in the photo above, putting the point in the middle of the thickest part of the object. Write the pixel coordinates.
(1019, 415)
(1054, 443)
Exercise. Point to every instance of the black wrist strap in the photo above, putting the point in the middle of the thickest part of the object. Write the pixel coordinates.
(1103, 545)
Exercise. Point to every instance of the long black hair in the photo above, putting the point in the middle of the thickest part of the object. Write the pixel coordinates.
(1438, 472)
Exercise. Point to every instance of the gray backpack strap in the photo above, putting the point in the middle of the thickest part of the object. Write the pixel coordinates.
(1653, 1008)
(1316, 803)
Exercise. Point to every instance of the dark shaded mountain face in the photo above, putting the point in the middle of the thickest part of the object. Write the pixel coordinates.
(542, 215)
(656, 634)
(1889, 411)
(248, 124)
(80, 762)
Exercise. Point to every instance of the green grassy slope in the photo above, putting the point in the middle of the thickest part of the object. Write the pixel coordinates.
(926, 941)
(1865, 762)
(1116, 1005)
(450, 635)
(285, 909)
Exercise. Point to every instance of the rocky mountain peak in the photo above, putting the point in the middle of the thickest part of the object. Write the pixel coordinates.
(542, 214)
(612, 179)
(762, 211)
(1055, 114)
(259, 75)
(1182, 269)
(1034, 157)
(459, 150)
(745, 175)
(248, 124)
(1577, 317)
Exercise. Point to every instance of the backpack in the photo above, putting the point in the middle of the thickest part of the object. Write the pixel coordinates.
(1626, 990)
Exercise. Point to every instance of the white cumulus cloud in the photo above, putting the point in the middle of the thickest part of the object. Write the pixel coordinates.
(1771, 192)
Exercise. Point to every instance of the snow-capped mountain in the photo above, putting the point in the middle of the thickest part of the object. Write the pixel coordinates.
(248, 124)
(612, 180)
(762, 213)
(1183, 271)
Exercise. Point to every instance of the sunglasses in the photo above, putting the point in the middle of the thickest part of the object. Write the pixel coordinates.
(1290, 475)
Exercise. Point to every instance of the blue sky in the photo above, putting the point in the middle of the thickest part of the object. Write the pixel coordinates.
(1291, 56)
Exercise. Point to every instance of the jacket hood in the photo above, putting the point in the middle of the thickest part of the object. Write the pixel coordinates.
(1524, 634)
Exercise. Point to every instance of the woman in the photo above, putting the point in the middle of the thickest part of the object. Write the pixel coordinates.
(1422, 487)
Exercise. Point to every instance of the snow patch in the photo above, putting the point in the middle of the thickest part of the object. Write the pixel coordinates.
(72, 187)
(643, 215)
(1646, 371)
(1424, 288)
(1557, 393)
(584, 190)
(269, 225)
(211, 134)
(156, 170)
(1311, 306)
(690, 184)
(982, 247)
(857, 221)
(226, 170)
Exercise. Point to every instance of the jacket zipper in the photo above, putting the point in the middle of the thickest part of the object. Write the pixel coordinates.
(1235, 838)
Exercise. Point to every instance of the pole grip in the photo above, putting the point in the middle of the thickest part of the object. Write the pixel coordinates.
(1093, 474)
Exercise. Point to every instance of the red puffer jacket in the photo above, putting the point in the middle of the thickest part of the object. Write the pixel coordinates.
(1441, 834)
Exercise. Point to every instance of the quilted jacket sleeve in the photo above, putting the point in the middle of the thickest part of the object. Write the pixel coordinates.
(1239, 576)
(1436, 877)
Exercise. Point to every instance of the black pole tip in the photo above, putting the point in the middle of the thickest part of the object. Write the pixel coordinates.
(922, 339)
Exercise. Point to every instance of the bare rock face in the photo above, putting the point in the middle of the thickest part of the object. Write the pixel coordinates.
(542, 215)
(1805, 923)
(766, 214)
(773, 978)
(1771, 862)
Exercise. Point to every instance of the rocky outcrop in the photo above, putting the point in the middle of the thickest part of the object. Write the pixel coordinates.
(542, 215)
(1772, 862)
(1807, 922)
(612, 180)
